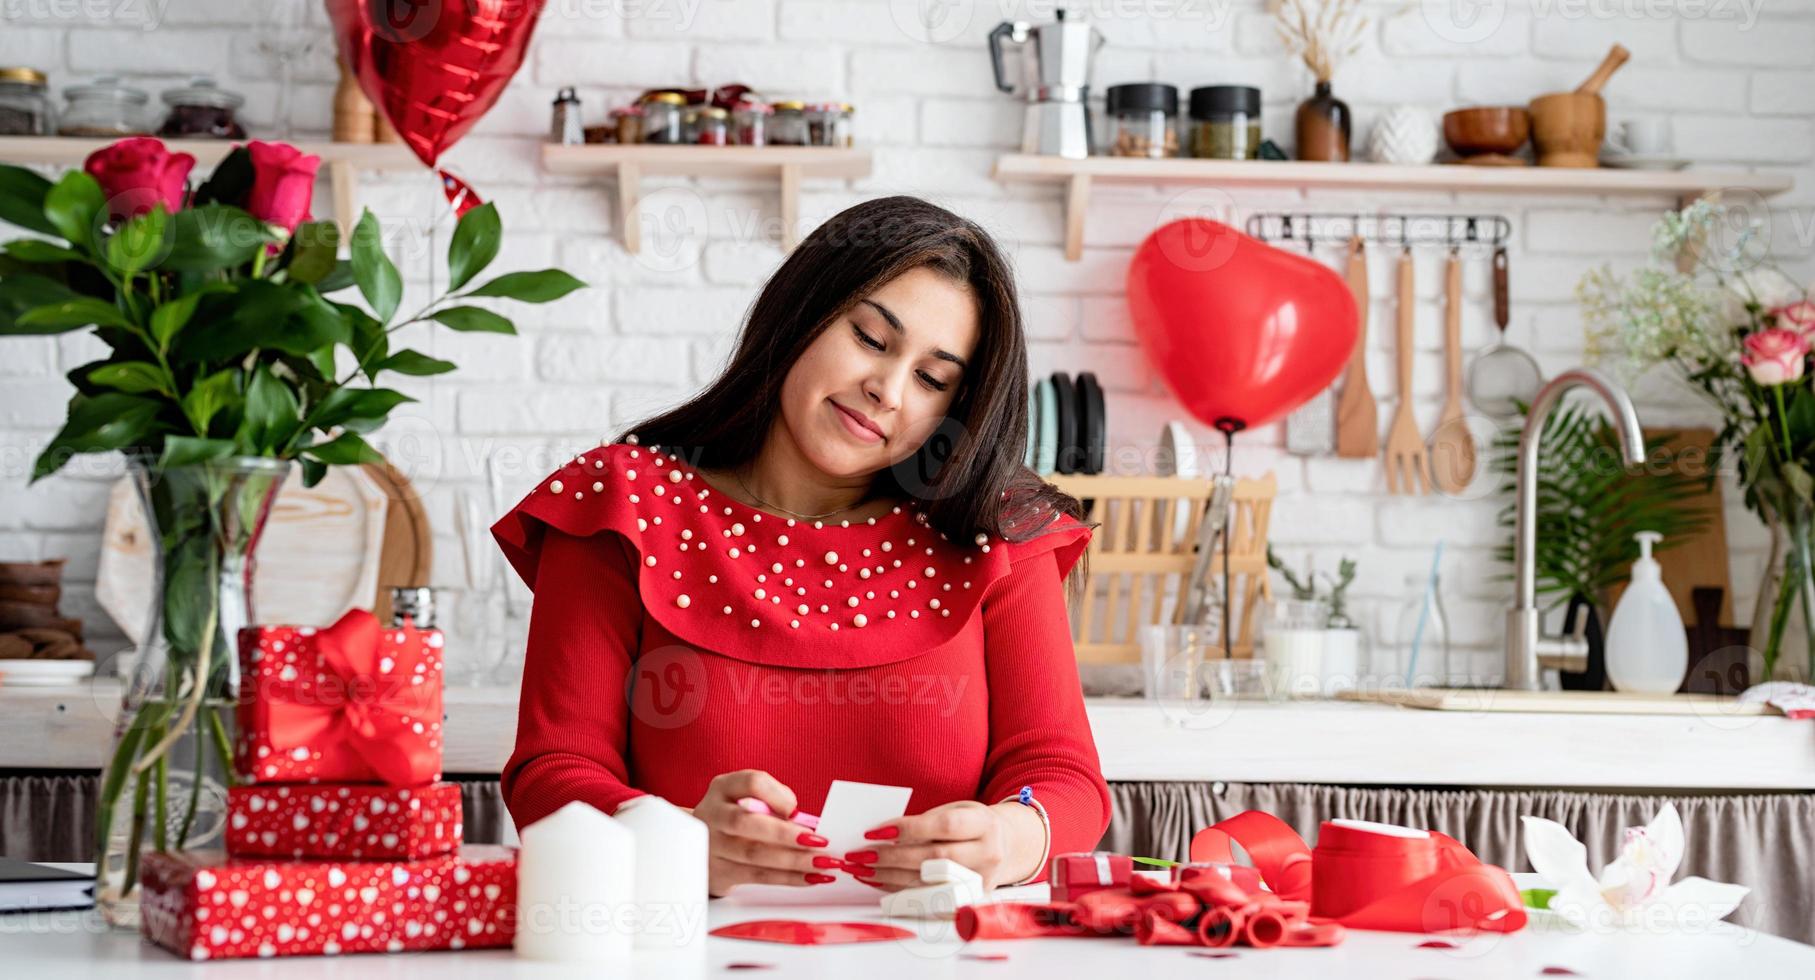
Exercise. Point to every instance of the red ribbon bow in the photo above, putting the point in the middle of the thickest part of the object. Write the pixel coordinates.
(358, 707)
(1368, 880)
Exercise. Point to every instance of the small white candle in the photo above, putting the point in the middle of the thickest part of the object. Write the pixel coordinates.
(575, 875)
(671, 874)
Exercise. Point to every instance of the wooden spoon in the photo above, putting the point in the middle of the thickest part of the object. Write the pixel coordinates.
(1357, 416)
(1452, 447)
(1407, 467)
(1616, 56)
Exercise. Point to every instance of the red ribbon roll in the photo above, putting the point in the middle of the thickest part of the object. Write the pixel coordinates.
(1369, 880)
(1221, 926)
(1017, 920)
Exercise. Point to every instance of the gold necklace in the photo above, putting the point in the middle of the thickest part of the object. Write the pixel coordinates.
(739, 477)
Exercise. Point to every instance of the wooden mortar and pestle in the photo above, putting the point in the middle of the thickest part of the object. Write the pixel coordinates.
(1567, 127)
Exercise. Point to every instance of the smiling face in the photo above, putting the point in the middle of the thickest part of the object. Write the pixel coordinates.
(876, 383)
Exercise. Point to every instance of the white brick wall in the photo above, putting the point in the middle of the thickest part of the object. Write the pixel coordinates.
(1733, 79)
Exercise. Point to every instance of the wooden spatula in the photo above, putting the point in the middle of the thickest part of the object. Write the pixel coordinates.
(1407, 467)
(1357, 417)
(1452, 446)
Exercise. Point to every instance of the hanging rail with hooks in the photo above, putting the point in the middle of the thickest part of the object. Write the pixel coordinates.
(1409, 230)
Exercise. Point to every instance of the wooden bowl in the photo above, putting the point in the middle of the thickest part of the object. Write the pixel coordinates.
(1566, 129)
(1486, 131)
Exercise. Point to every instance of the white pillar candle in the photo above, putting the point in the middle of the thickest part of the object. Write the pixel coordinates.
(576, 872)
(671, 874)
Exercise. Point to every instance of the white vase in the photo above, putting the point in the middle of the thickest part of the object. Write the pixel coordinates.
(1404, 134)
(1341, 668)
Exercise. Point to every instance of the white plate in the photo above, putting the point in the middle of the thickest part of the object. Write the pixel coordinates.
(44, 673)
(1648, 161)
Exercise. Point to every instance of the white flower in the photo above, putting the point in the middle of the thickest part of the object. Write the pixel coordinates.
(1767, 286)
(1634, 890)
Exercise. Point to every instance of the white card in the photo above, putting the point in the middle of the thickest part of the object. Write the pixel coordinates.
(851, 808)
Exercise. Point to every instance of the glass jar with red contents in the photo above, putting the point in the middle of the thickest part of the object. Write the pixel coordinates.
(713, 127)
(202, 110)
(750, 123)
(627, 124)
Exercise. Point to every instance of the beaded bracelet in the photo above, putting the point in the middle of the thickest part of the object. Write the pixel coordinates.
(1026, 798)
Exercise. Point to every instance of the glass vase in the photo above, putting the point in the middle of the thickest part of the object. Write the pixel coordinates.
(1789, 580)
(165, 783)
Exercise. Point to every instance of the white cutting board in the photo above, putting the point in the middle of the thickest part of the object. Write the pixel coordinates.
(319, 557)
(1553, 702)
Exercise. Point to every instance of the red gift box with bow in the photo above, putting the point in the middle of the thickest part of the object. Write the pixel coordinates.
(352, 703)
(355, 821)
(1075, 875)
(205, 905)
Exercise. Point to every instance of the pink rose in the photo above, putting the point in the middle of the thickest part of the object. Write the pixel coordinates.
(283, 181)
(138, 174)
(1798, 316)
(1775, 356)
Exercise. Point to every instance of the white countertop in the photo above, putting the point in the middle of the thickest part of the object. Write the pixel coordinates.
(70, 944)
(1240, 741)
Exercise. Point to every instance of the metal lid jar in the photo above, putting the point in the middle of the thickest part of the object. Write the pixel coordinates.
(104, 108)
(1225, 122)
(789, 127)
(663, 118)
(25, 108)
(1143, 120)
(202, 109)
(828, 124)
(712, 127)
(750, 123)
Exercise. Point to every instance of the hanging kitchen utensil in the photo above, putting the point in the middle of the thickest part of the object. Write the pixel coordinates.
(1407, 466)
(1092, 437)
(1311, 429)
(1046, 451)
(1178, 457)
(1069, 457)
(1502, 377)
(1452, 446)
(1357, 415)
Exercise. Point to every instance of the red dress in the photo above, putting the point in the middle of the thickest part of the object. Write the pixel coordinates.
(702, 636)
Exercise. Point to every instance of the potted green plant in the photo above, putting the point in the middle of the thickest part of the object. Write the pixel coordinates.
(228, 360)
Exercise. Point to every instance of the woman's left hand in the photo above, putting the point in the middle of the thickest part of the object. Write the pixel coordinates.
(986, 839)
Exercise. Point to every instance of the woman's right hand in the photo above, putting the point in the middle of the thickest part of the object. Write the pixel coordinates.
(757, 847)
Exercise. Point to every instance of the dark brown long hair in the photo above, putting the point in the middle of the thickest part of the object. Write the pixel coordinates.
(968, 475)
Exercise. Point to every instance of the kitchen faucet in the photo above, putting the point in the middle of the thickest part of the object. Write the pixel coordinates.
(1528, 650)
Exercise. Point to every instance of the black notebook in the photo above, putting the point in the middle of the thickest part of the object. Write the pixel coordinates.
(28, 887)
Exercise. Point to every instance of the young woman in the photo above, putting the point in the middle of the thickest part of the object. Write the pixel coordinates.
(830, 564)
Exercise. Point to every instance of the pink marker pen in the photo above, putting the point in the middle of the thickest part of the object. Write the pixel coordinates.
(800, 817)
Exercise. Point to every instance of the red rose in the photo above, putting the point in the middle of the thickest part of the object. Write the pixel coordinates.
(283, 180)
(138, 174)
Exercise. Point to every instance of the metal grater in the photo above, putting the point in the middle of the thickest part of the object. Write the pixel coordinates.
(1311, 430)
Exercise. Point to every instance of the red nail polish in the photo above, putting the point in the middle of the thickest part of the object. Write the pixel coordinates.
(826, 861)
(866, 881)
(860, 870)
(811, 840)
(819, 879)
(882, 833)
(861, 857)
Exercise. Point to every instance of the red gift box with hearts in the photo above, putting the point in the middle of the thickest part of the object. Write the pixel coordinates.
(206, 905)
(351, 703)
(351, 821)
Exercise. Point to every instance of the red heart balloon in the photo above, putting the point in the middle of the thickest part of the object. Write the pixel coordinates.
(433, 67)
(1241, 331)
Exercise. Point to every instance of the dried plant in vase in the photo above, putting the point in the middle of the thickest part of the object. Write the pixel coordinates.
(1321, 33)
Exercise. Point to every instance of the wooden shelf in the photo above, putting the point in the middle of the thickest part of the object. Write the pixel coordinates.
(341, 161)
(630, 163)
(1079, 175)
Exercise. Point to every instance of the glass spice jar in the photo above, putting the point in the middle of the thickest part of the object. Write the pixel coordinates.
(713, 127)
(663, 120)
(104, 108)
(789, 125)
(202, 110)
(827, 124)
(750, 123)
(1225, 122)
(627, 123)
(1142, 120)
(847, 124)
(24, 103)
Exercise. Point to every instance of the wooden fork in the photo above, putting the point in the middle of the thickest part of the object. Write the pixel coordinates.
(1407, 465)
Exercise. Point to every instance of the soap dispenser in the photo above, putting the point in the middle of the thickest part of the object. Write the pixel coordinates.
(1647, 650)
